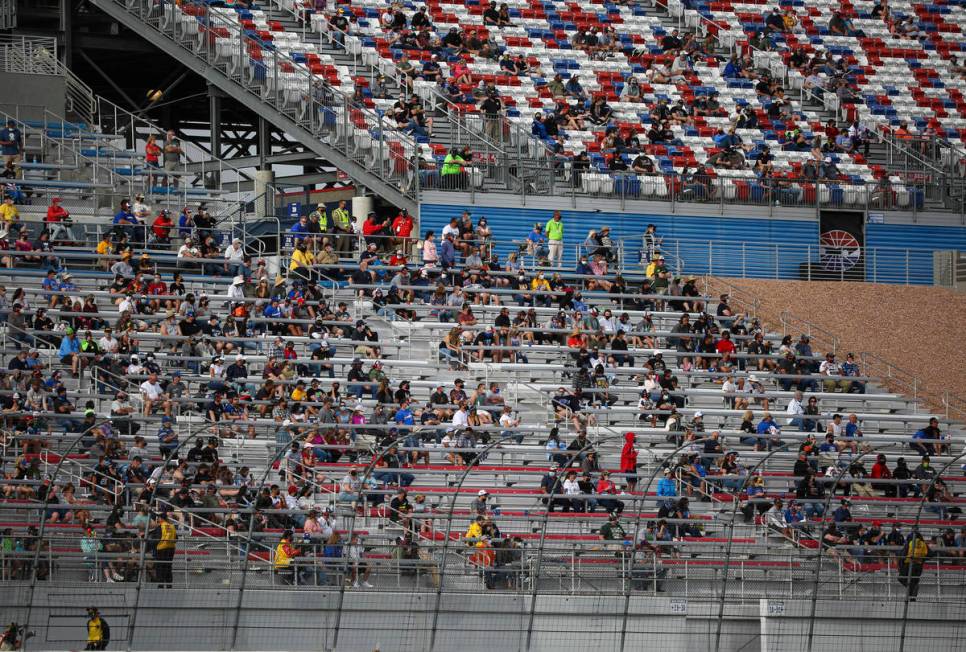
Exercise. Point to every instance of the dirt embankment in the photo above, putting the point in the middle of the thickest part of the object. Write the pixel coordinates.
(918, 329)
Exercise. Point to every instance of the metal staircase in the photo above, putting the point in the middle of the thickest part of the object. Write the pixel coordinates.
(209, 41)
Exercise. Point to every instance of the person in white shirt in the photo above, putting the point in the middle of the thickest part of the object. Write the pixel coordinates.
(140, 209)
(572, 488)
(234, 257)
(153, 394)
(236, 291)
(135, 368)
(830, 367)
(509, 420)
(461, 417)
(608, 322)
(189, 250)
(728, 388)
(795, 411)
(108, 344)
(452, 229)
(360, 569)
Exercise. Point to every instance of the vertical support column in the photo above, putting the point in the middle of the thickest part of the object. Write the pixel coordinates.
(65, 36)
(214, 120)
(263, 190)
(264, 143)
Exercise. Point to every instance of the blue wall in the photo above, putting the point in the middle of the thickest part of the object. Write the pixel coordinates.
(798, 237)
(515, 223)
(890, 242)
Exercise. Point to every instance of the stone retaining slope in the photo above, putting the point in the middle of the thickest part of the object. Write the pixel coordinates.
(915, 328)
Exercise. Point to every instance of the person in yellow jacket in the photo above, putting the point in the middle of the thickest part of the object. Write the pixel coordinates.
(302, 261)
(910, 567)
(342, 225)
(285, 553)
(164, 552)
(98, 632)
(539, 284)
(8, 212)
(655, 266)
(474, 534)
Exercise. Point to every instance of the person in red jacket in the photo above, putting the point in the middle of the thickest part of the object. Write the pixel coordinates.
(880, 471)
(161, 227)
(374, 230)
(56, 216)
(402, 229)
(629, 461)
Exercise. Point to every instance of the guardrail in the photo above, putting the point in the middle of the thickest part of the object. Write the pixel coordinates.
(269, 76)
(803, 262)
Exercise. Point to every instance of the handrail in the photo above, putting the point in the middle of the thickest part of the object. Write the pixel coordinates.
(309, 102)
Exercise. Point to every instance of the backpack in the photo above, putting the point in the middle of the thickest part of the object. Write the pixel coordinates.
(105, 633)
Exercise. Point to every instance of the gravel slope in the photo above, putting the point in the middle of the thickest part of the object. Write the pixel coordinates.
(917, 329)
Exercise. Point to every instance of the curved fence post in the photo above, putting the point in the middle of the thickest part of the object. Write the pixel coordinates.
(922, 501)
(731, 534)
(352, 524)
(142, 570)
(637, 531)
(446, 535)
(248, 541)
(543, 532)
(821, 548)
(43, 522)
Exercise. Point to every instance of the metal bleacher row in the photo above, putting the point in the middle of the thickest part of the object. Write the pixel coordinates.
(228, 529)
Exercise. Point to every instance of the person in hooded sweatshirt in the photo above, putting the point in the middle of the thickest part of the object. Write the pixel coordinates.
(629, 461)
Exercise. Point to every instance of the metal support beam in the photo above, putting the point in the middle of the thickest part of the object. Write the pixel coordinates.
(66, 31)
(111, 82)
(264, 143)
(283, 121)
(214, 119)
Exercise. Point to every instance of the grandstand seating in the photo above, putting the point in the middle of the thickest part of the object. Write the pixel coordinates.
(879, 66)
(490, 504)
(561, 550)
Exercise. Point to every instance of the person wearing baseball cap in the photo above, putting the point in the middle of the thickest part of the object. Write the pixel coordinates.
(480, 506)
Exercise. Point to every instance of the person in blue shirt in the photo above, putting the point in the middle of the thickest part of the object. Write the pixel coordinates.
(732, 68)
(11, 145)
(300, 230)
(447, 252)
(850, 368)
(125, 221)
(537, 243)
(583, 267)
(404, 416)
(769, 428)
(167, 438)
(843, 514)
(69, 352)
(50, 285)
(273, 311)
(538, 128)
(667, 488)
(124, 214)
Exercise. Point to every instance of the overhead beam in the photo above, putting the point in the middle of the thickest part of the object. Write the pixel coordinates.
(107, 78)
(253, 161)
(356, 169)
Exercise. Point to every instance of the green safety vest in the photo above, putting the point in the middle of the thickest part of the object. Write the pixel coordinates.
(342, 219)
(452, 165)
(323, 219)
(554, 229)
